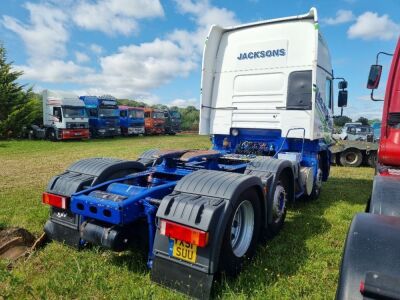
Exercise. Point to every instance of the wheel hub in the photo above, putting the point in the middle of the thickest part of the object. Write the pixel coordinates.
(279, 203)
(242, 228)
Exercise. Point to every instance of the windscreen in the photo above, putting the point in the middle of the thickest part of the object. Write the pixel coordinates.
(136, 114)
(158, 115)
(176, 114)
(74, 112)
(108, 112)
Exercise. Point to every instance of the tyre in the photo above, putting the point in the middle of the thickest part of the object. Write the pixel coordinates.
(279, 207)
(372, 158)
(241, 233)
(351, 158)
(52, 135)
(316, 190)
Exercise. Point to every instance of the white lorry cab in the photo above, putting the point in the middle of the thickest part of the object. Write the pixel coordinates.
(270, 79)
(64, 116)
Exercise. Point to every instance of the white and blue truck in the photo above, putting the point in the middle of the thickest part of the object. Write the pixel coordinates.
(267, 103)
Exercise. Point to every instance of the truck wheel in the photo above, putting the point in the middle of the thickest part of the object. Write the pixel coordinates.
(279, 207)
(372, 158)
(241, 233)
(316, 191)
(52, 135)
(351, 158)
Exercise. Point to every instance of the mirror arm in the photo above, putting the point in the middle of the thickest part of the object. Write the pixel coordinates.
(374, 99)
(384, 53)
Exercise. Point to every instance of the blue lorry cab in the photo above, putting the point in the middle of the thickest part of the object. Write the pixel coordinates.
(103, 115)
(131, 120)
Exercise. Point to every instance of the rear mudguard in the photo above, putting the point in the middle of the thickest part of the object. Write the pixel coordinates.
(63, 225)
(372, 245)
(269, 171)
(148, 157)
(385, 198)
(202, 200)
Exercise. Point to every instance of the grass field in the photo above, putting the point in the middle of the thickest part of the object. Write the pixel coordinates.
(301, 262)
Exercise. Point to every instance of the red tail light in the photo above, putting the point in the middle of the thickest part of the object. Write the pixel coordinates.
(55, 200)
(184, 233)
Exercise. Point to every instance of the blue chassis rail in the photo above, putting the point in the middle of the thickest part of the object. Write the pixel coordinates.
(133, 201)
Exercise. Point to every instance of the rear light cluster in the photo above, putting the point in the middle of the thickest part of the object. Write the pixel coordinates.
(55, 200)
(184, 233)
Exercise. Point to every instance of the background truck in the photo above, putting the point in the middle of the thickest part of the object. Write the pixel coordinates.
(356, 146)
(103, 115)
(131, 120)
(354, 153)
(263, 102)
(64, 116)
(371, 259)
(154, 121)
(172, 121)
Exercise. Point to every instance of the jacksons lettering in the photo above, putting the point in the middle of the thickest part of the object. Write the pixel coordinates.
(262, 54)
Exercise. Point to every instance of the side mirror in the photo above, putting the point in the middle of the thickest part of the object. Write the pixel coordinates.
(374, 77)
(342, 98)
(342, 85)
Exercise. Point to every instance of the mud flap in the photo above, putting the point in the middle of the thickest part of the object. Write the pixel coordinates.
(182, 278)
(201, 200)
(63, 233)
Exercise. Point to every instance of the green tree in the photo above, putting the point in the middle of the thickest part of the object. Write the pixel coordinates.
(363, 120)
(340, 121)
(190, 118)
(132, 103)
(18, 108)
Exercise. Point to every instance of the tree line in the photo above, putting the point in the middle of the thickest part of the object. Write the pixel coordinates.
(20, 107)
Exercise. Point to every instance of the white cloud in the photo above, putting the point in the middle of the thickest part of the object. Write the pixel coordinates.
(204, 15)
(54, 71)
(81, 57)
(134, 70)
(185, 102)
(96, 49)
(370, 25)
(342, 16)
(115, 16)
(45, 36)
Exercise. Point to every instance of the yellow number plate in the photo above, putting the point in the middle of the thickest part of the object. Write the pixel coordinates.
(184, 251)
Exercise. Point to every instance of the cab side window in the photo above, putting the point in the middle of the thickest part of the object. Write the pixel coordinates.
(299, 90)
(123, 113)
(92, 112)
(57, 113)
(147, 115)
(328, 93)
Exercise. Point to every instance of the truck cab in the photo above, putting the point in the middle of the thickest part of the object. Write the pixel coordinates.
(103, 115)
(64, 116)
(154, 121)
(370, 267)
(172, 121)
(131, 119)
(270, 95)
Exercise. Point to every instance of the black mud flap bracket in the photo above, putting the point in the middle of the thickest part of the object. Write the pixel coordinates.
(201, 200)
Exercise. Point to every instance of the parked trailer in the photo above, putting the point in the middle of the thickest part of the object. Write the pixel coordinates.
(263, 102)
(371, 259)
(64, 117)
(103, 115)
(131, 120)
(154, 121)
(354, 153)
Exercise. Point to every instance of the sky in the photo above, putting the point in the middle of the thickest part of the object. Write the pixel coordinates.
(151, 50)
